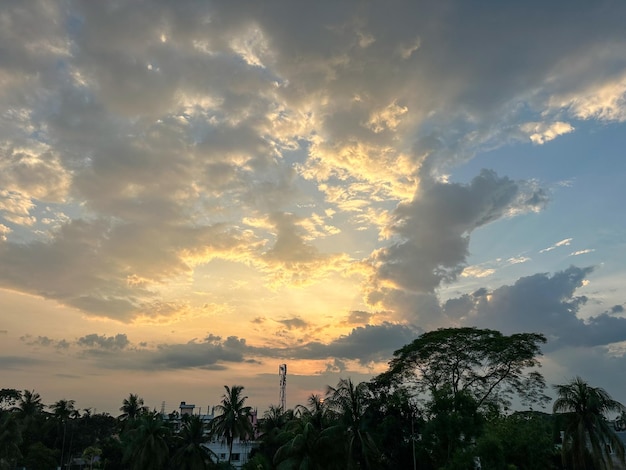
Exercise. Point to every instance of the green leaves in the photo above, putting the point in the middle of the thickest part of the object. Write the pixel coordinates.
(147, 444)
(586, 433)
(488, 365)
(234, 419)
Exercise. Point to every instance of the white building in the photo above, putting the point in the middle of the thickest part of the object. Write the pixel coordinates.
(219, 447)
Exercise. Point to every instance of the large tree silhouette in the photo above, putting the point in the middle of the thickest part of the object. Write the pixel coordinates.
(489, 366)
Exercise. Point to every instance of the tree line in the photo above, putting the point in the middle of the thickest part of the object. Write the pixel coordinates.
(445, 402)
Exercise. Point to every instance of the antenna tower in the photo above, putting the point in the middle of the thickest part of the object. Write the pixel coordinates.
(282, 373)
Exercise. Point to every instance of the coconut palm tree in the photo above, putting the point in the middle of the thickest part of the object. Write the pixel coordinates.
(29, 413)
(191, 453)
(315, 411)
(64, 409)
(303, 450)
(147, 444)
(272, 433)
(274, 419)
(312, 441)
(587, 434)
(234, 419)
(132, 407)
(29, 405)
(348, 402)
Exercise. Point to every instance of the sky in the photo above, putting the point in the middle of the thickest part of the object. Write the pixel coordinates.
(193, 193)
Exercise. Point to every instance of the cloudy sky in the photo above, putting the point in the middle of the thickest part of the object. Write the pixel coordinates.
(194, 192)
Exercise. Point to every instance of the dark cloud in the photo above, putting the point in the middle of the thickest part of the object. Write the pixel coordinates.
(211, 353)
(335, 366)
(294, 323)
(365, 344)
(544, 304)
(430, 235)
(18, 362)
(369, 343)
(359, 317)
(119, 341)
(44, 341)
(208, 354)
(433, 229)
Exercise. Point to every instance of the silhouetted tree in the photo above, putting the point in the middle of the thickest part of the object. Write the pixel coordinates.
(234, 419)
(485, 364)
(191, 454)
(147, 443)
(10, 440)
(132, 407)
(587, 433)
(348, 402)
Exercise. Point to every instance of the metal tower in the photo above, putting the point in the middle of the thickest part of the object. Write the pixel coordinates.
(282, 373)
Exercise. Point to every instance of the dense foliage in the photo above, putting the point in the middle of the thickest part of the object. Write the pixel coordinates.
(441, 405)
(485, 365)
(588, 440)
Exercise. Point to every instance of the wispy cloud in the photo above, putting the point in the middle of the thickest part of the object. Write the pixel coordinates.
(542, 132)
(565, 242)
(582, 252)
(477, 272)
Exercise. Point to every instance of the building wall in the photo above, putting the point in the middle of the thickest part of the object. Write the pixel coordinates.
(241, 451)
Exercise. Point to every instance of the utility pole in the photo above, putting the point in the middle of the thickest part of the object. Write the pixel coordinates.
(282, 373)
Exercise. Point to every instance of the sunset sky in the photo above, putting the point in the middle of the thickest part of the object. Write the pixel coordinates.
(194, 192)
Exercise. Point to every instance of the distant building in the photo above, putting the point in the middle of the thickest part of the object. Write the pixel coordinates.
(186, 409)
(241, 449)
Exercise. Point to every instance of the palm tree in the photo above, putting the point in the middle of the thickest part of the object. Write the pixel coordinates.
(315, 412)
(132, 407)
(191, 453)
(348, 403)
(64, 409)
(303, 450)
(272, 433)
(234, 419)
(29, 411)
(311, 440)
(587, 434)
(147, 446)
(29, 405)
(10, 440)
(274, 419)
